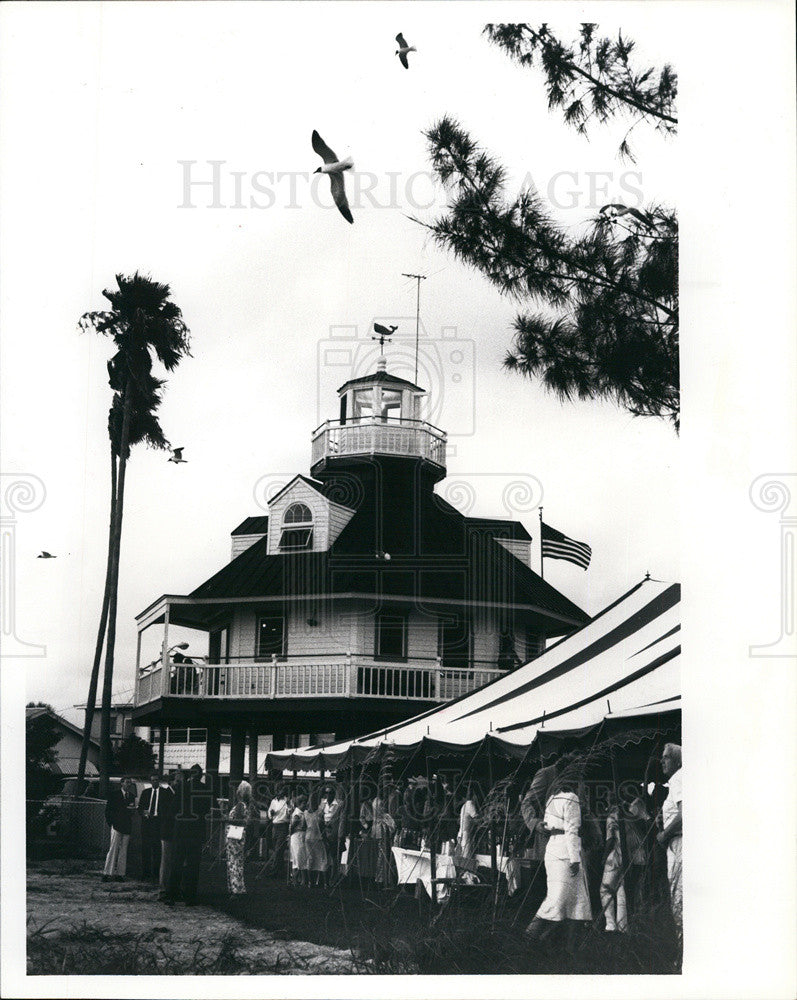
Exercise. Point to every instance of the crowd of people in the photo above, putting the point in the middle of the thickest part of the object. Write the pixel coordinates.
(173, 831)
(315, 835)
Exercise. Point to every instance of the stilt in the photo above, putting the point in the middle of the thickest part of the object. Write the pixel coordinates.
(253, 743)
(237, 753)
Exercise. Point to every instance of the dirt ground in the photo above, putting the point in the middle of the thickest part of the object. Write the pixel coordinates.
(74, 915)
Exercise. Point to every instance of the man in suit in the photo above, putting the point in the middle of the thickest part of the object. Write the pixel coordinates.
(119, 816)
(191, 807)
(149, 808)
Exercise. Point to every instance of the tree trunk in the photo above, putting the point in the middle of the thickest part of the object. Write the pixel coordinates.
(113, 594)
(91, 700)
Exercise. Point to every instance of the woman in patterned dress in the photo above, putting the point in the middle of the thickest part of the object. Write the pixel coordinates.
(382, 828)
(241, 817)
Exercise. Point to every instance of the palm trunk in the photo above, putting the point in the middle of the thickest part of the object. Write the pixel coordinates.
(113, 594)
(91, 700)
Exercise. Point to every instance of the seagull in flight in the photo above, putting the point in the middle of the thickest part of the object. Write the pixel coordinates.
(385, 331)
(403, 49)
(334, 168)
(177, 456)
(44, 554)
(613, 212)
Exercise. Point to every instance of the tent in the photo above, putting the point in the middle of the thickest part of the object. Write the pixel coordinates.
(618, 675)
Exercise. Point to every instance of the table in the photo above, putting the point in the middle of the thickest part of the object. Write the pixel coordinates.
(414, 865)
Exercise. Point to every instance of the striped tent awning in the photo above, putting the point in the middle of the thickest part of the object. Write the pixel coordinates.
(622, 665)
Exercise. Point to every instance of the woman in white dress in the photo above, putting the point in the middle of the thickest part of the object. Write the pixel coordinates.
(567, 896)
(466, 837)
(298, 826)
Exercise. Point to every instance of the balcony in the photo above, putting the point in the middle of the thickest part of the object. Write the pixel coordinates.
(380, 436)
(310, 677)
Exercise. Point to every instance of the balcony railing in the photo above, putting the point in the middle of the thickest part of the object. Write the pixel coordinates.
(380, 436)
(310, 677)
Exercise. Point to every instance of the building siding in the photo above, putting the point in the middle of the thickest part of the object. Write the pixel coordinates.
(240, 543)
(519, 548)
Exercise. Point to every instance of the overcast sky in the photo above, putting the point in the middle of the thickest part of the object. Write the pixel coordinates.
(113, 101)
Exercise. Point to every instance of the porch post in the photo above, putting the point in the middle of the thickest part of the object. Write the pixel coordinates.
(253, 741)
(237, 748)
(213, 750)
(137, 682)
(165, 653)
(161, 746)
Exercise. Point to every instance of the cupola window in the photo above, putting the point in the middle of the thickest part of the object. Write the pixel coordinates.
(297, 528)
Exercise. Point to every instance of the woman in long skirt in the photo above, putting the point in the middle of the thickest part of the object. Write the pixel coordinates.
(382, 827)
(365, 847)
(567, 897)
(241, 818)
(612, 887)
(298, 846)
(314, 840)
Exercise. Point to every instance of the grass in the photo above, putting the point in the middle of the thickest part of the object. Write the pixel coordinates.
(384, 931)
(391, 932)
(83, 950)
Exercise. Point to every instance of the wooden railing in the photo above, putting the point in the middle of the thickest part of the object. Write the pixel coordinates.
(375, 436)
(347, 676)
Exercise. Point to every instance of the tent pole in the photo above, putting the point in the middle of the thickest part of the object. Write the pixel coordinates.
(493, 852)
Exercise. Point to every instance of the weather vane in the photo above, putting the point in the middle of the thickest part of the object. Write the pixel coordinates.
(385, 333)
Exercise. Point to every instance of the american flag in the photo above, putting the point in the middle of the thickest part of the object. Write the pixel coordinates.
(555, 545)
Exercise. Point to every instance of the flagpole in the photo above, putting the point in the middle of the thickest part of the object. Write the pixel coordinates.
(542, 574)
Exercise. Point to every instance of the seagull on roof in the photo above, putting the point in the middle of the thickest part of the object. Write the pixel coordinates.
(616, 211)
(177, 456)
(385, 331)
(403, 49)
(334, 167)
(46, 555)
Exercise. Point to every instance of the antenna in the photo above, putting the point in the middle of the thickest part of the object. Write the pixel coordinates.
(419, 278)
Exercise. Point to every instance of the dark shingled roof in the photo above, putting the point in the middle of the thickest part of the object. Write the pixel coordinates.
(252, 526)
(435, 552)
(385, 377)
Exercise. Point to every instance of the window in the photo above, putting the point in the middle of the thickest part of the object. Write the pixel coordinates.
(390, 405)
(270, 636)
(391, 637)
(297, 513)
(453, 641)
(363, 404)
(297, 531)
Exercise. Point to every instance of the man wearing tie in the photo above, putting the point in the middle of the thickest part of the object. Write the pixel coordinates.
(150, 806)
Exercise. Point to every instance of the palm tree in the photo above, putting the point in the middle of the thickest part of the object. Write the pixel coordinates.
(144, 324)
(144, 426)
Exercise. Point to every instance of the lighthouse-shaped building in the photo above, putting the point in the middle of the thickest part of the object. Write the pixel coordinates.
(361, 599)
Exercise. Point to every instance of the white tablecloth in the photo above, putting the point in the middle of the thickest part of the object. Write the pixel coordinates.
(414, 865)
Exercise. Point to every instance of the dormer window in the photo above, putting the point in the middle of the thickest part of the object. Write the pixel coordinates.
(297, 528)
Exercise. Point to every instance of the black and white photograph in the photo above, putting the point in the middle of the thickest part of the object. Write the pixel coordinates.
(397, 603)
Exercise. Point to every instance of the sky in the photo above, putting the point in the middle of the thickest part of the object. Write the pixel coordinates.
(102, 102)
(113, 183)
(122, 109)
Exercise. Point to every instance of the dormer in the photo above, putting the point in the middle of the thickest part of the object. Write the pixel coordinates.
(302, 519)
